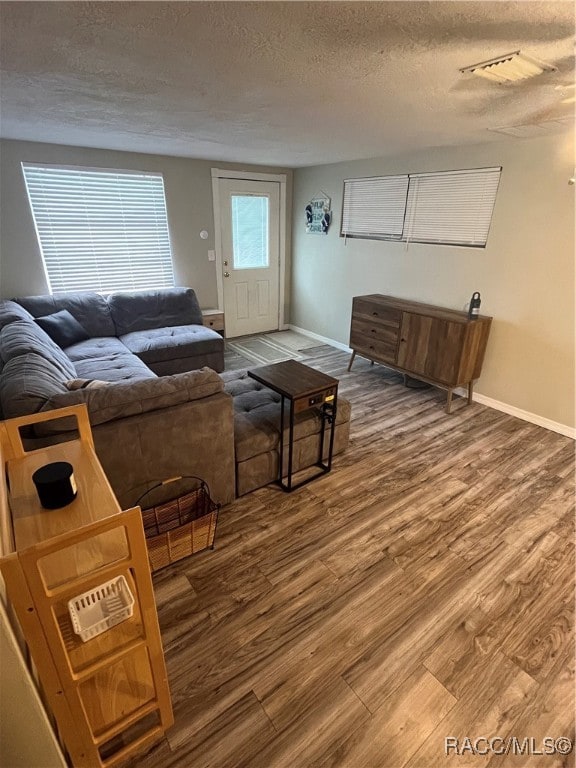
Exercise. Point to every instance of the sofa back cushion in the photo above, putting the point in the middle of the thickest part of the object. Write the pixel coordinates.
(90, 309)
(10, 311)
(24, 336)
(119, 400)
(143, 310)
(63, 328)
(27, 383)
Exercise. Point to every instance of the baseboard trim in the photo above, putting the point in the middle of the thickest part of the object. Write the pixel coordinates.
(533, 418)
(498, 405)
(323, 339)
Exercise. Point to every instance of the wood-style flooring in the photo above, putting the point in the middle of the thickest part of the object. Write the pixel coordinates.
(421, 590)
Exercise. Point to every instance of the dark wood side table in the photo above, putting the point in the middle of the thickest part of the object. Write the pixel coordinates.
(304, 389)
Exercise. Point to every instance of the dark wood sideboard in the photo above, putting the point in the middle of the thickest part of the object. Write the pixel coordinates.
(439, 346)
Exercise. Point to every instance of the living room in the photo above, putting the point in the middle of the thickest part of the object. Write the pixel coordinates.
(60, 109)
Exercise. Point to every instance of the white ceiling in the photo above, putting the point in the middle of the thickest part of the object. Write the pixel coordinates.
(280, 83)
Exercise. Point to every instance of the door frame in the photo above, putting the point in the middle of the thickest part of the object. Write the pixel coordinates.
(280, 178)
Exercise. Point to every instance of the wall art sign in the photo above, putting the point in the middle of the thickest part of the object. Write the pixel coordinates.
(318, 216)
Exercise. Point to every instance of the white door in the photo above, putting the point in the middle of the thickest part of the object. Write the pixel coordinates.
(250, 237)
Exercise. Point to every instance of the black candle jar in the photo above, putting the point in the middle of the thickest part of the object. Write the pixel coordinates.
(55, 484)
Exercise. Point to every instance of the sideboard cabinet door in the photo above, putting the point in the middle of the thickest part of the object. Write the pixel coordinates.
(431, 347)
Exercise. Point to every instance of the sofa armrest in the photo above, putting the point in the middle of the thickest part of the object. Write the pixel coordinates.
(193, 438)
(119, 400)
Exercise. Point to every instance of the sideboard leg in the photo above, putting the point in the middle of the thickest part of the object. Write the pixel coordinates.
(352, 359)
(449, 401)
(470, 392)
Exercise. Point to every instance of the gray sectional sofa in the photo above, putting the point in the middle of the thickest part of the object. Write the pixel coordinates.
(147, 370)
(145, 366)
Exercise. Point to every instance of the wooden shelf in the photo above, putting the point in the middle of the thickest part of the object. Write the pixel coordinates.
(100, 689)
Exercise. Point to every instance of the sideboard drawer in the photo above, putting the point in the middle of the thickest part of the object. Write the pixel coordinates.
(374, 329)
(369, 309)
(373, 348)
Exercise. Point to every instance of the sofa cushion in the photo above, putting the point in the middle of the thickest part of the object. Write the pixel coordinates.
(27, 383)
(95, 347)
(10, 311)
(122, 399)
(24, 336)
(90, 309)
(107, 359)
(157, 345)
(143, 310)
(63, 328)
(257, 416)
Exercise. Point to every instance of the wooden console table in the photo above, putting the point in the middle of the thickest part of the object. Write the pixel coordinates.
(439, 346)
(109, 695)
(304, 389)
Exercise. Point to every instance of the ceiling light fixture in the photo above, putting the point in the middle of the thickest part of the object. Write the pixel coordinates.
(509, 68)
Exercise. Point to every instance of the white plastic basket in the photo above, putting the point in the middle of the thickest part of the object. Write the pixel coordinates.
(101, 608)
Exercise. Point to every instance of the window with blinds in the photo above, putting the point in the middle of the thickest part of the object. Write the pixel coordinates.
(452, 208)
(447, 208)
(100, 230)
(374, 208)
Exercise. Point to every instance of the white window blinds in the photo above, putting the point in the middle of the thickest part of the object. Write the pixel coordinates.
(100, 230)
(454, 207)
(449, 207)
(374, 207)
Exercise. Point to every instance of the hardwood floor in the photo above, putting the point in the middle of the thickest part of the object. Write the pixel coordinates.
(423, 589)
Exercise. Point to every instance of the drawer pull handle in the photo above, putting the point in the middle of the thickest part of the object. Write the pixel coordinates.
(373, 330)
(375, 314)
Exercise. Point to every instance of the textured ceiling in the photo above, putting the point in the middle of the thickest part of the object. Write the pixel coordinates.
(283, 83)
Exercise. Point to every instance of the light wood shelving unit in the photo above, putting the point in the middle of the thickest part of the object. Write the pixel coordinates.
(109, 695)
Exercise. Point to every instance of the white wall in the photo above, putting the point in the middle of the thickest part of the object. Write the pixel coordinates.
(26, 737)
(188, 188)
(525, 274)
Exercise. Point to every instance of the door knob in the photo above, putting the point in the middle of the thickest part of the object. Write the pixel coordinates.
(226, 274)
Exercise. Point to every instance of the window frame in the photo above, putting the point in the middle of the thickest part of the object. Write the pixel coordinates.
(401, 202)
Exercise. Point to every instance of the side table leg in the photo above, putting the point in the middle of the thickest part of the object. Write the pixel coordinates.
(290, 446)
(352, 359)
(332, 429)
(281, 445)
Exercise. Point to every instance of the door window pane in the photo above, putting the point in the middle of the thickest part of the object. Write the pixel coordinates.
(249, 231)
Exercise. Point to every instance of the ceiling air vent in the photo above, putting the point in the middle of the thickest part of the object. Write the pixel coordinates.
(509, 68)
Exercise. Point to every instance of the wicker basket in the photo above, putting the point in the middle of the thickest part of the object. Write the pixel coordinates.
(180, 527)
